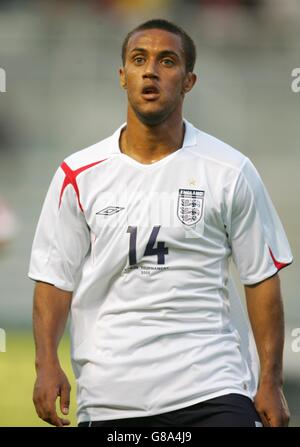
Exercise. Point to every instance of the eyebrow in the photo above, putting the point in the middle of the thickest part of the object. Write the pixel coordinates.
(161, 53)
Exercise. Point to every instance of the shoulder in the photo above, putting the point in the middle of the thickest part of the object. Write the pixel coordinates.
(94, 154)
(217, 152)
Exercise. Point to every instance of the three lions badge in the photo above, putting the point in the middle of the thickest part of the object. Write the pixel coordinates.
(190, 206)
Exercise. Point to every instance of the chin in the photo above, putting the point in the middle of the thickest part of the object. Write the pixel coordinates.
(153, 118)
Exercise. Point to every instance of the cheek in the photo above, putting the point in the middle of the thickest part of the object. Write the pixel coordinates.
(133, 93)
(133, 83)
(175, 87)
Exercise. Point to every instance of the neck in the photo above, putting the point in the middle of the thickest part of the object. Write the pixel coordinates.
(148, 144)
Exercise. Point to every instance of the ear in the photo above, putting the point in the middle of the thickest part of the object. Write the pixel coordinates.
(189, 82)
(122, 76)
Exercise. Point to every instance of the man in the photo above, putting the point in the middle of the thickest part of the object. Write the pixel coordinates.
(134, 240)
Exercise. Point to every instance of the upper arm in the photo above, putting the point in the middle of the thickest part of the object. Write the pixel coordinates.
(45, 291)
(51, 309)
(62, 237)
(257, 238)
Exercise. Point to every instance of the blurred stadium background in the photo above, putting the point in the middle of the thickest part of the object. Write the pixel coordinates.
(61, 60)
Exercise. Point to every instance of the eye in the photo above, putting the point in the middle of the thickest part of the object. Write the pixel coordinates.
(139, 60)
(168, 62)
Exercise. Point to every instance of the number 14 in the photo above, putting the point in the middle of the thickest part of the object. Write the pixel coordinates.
(161, 250)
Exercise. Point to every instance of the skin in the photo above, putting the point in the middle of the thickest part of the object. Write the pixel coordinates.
(154, 129)
(50, 312)
(154, 125)
(265, 310)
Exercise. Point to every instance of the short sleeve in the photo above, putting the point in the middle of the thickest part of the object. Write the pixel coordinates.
(258, 241)
(62, 237)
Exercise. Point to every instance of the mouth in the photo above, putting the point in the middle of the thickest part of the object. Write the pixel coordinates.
(150, 92)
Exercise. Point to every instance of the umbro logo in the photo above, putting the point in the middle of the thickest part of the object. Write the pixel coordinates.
(110, 210)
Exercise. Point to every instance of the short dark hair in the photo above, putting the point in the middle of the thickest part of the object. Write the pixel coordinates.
(188, 44)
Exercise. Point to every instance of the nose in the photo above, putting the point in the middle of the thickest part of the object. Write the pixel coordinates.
(150, 70)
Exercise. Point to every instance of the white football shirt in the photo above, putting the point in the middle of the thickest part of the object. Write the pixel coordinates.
(145, 248)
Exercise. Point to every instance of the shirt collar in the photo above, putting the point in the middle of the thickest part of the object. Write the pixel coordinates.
(190, 138)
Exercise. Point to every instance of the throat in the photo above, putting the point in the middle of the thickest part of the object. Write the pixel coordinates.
(148, 151)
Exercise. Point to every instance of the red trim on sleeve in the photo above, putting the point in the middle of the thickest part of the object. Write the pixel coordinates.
(278, 265)
(70, 179)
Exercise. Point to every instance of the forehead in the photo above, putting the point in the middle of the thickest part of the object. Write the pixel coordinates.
(155, 40)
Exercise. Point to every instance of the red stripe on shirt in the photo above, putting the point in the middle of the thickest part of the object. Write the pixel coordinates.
(70, 179)
(278, 265)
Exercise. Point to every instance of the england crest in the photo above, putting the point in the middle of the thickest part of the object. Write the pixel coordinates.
(190, 206)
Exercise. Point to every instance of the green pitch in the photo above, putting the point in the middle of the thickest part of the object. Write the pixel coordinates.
(17, 376)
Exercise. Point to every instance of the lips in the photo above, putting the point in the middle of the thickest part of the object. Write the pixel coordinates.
(150, 89)
(150, 92)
